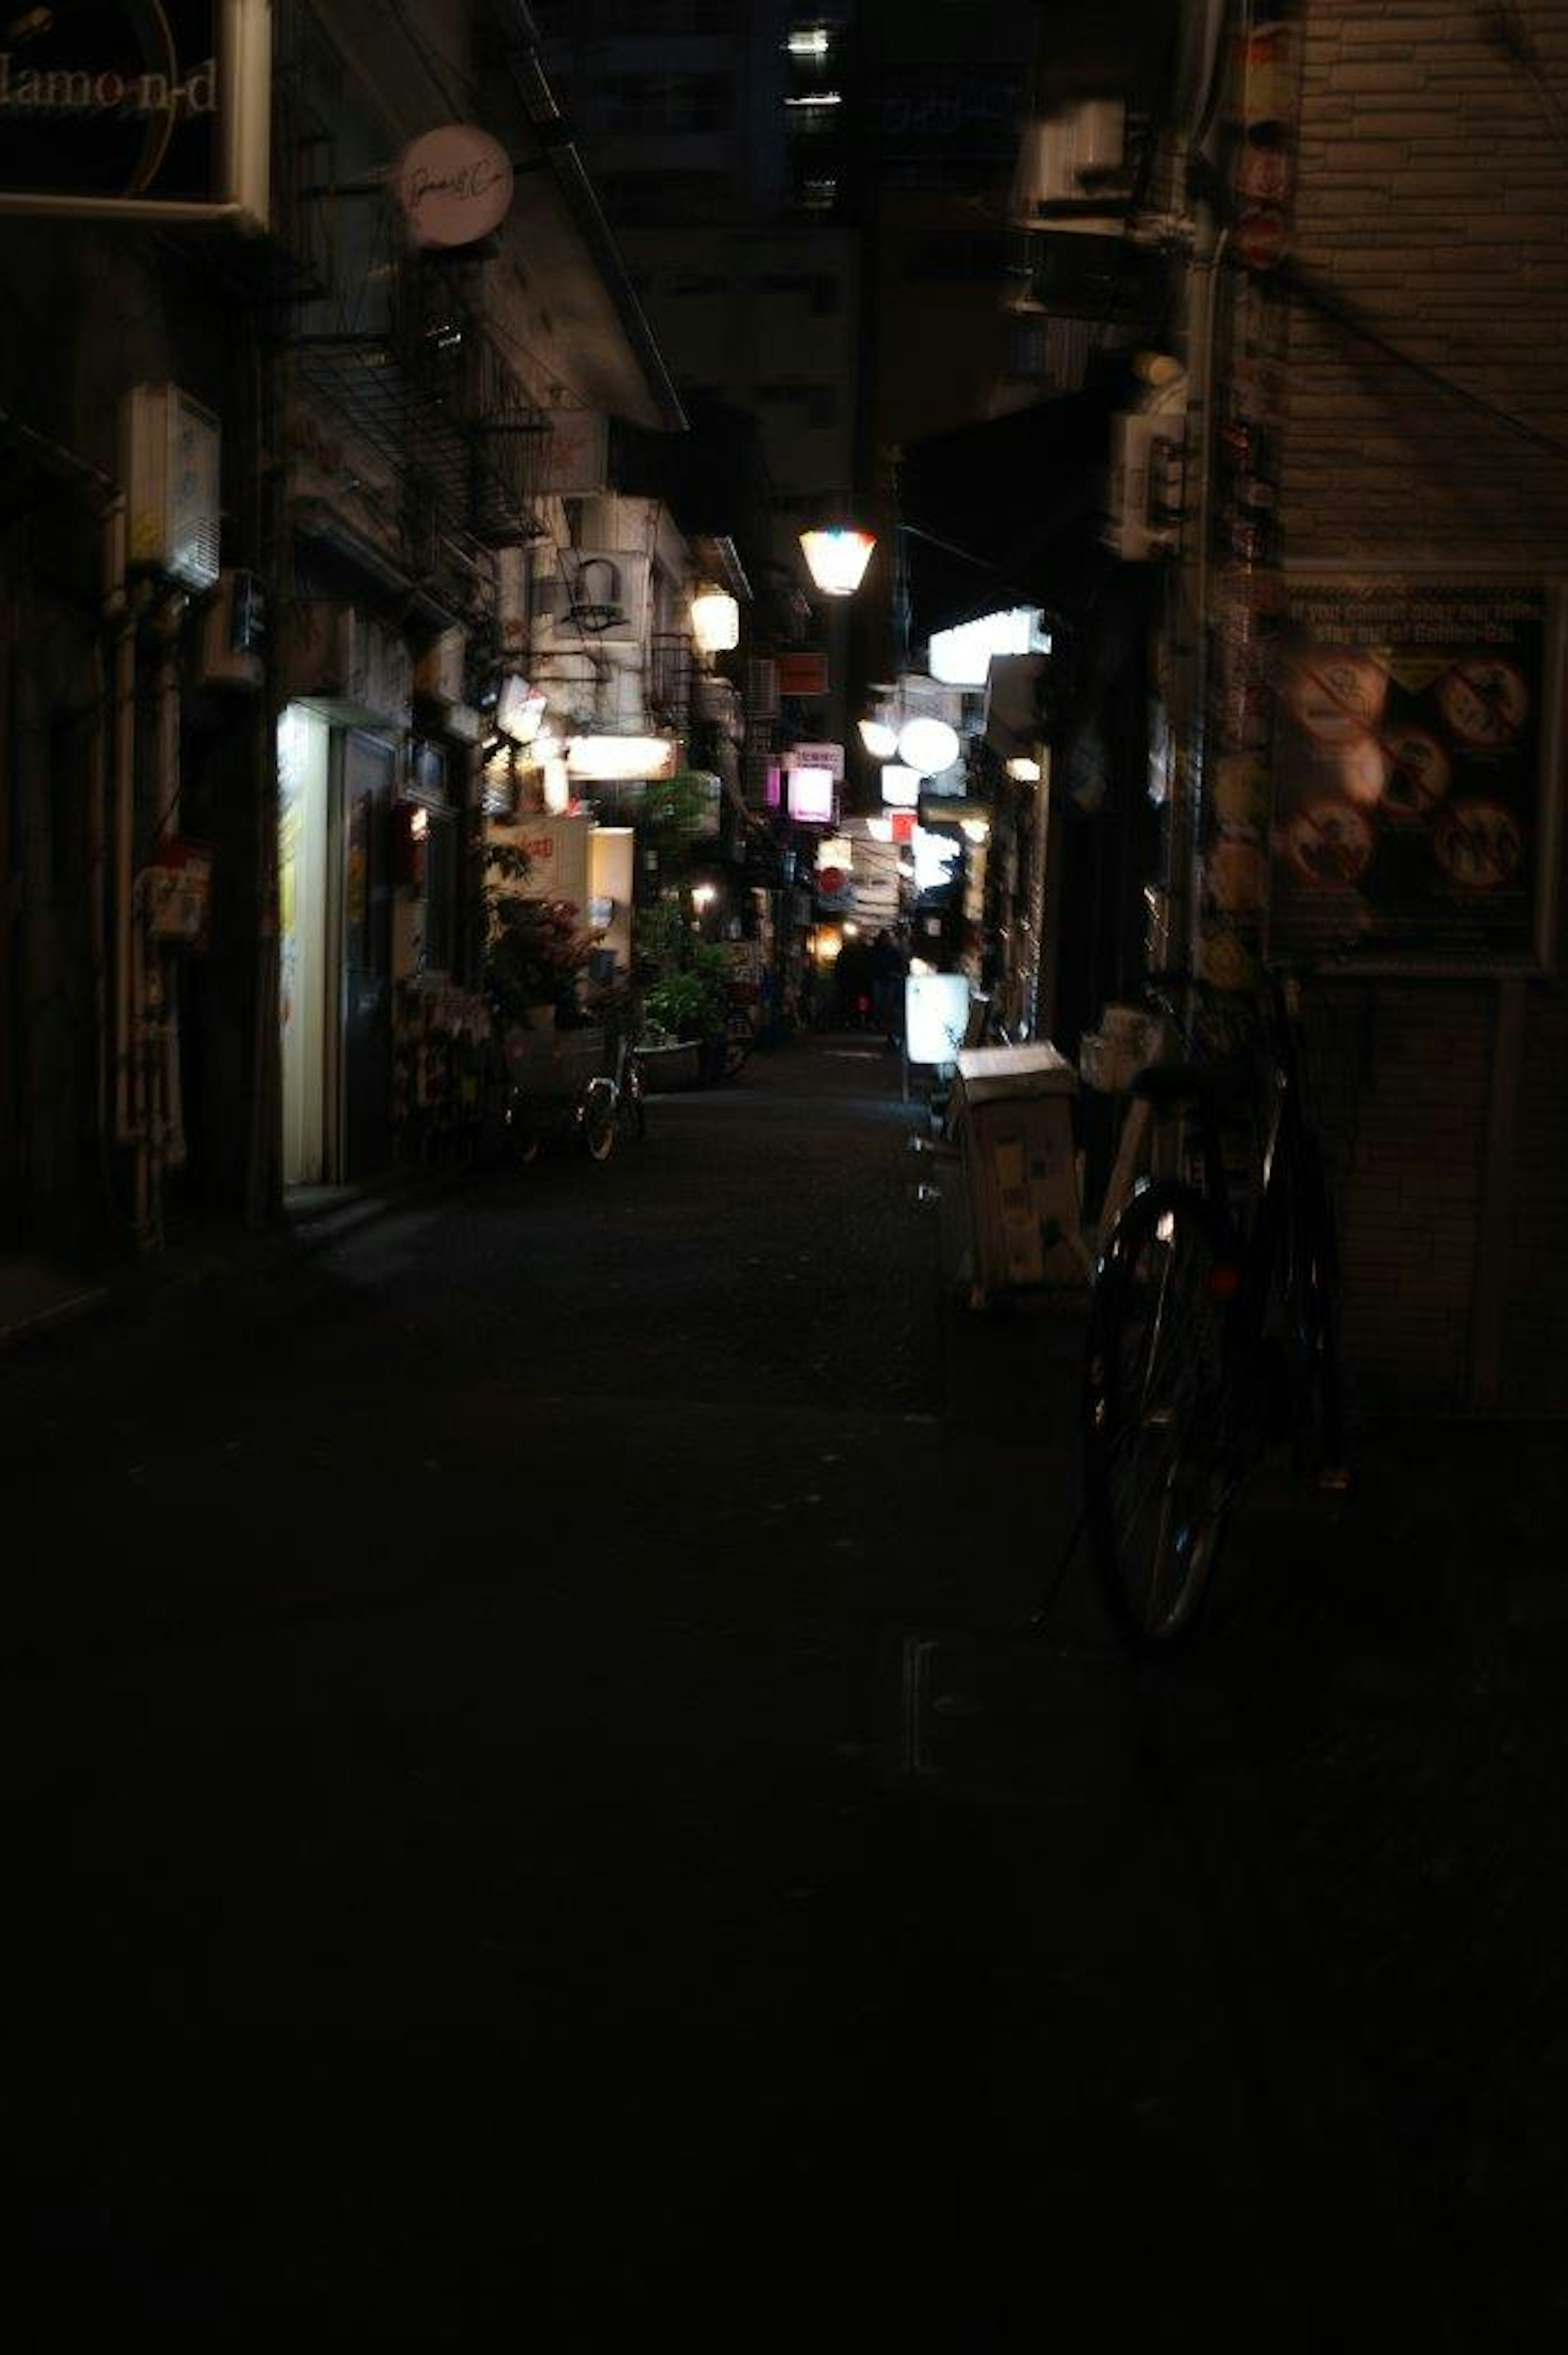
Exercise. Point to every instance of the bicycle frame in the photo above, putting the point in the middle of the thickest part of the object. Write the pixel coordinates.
(1210, 1332)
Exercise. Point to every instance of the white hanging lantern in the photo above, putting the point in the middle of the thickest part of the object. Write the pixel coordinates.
(715, 621)
(928, 745)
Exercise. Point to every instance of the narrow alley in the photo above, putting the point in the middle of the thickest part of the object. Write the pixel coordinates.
(534, 1802)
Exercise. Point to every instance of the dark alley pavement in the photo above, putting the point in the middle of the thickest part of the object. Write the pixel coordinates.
(533, 1805)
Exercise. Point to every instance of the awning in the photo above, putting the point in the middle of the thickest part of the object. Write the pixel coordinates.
(1007, 512)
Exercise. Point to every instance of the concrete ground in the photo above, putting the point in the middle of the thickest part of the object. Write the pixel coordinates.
(534, 1802)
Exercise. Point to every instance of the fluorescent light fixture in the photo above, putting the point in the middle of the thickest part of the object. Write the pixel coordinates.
(901, 787)
(817, 98)
(617, 759)
(962, 656)
(809, 41)
(836, 559)
(715, 621)
(880, 740)
(1025, 773)
(928, 745)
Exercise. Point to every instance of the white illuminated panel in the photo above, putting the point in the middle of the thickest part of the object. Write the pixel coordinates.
(812, 795)
(936, 1015)
(961, 658)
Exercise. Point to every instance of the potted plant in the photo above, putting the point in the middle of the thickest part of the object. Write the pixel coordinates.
(535, 952)
(534, 949)
(685, 1007)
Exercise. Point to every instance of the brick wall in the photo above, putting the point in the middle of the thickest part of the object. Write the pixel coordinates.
(1432, 195)
(1432, 203)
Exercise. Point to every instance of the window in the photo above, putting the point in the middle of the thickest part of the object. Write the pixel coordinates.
(665, 102)
(440, 892)
(695, 282)
(963, 256)
(821, 290)
(820, 401)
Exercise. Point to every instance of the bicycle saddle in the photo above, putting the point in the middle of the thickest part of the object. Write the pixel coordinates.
(1220, 1084)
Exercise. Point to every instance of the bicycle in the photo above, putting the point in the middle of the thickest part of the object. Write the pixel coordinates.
(580, 1086)
(1211, 1336)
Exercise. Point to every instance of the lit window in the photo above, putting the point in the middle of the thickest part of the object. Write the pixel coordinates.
(809, 42)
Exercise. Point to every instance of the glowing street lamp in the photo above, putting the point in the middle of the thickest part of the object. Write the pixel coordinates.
(836, 559)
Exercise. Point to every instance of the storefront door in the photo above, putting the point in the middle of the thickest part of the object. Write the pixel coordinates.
(369, 767)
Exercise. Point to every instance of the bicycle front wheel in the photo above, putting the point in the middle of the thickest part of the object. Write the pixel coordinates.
(1156, 1476)
(631, 1112)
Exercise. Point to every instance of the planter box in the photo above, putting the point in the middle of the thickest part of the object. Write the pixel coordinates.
(665, 1069)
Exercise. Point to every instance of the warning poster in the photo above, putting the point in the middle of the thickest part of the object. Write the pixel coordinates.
(1411, 749)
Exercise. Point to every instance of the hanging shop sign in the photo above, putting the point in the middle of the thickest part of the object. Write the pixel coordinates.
(454, 185)
(593, 597)
(137, 111)
(574, 453)
(1416, 733)
(813, 796)
(830, 757)
(803, 673)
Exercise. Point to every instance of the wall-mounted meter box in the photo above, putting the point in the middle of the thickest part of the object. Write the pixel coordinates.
(170, 449)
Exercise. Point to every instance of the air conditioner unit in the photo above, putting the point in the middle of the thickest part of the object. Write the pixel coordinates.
(1146, 456)
(441, 670)
(169, 465)
(1072, 166)
(762, 687)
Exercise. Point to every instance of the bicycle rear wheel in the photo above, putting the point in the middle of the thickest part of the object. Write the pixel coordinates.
(739, 1038)
(1310, 1302)
(1156, 1476)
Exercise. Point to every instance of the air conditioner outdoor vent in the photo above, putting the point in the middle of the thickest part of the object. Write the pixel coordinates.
(762, 687)
(169, 465)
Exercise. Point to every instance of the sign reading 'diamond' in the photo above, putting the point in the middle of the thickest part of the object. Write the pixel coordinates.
(136, 110)
(454, 185)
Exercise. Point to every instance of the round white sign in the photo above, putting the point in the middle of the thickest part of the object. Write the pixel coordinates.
(454, 185)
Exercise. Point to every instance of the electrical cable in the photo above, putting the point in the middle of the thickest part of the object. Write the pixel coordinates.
(1516, 43)
(1312, 292)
